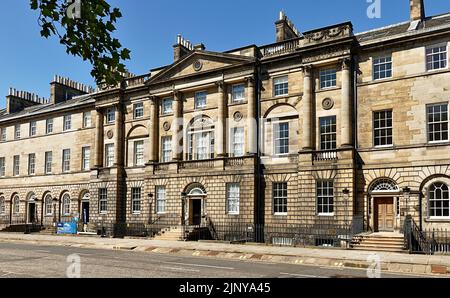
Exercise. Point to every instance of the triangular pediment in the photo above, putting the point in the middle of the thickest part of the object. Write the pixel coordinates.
(199, 62)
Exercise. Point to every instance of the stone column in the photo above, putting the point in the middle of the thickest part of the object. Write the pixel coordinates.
(177, 126)
(117, 135)
(307, 109)
(346, 106)
(99, 129)
(154, 130)
(221, 134)
(251, 143)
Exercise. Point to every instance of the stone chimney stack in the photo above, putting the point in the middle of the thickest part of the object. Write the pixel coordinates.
(285, 29)
(417, 10)
(63, 89)
(17, 101)
(181, 48)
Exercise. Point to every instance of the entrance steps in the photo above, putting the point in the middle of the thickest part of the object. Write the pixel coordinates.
(388, 242)
(171, 234)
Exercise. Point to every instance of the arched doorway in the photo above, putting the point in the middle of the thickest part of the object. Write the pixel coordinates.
(194, 204)
(384, 203)
(84, 207)
(32, 210)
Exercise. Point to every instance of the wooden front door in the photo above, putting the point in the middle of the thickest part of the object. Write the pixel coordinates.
(195, 212)
(384, 214)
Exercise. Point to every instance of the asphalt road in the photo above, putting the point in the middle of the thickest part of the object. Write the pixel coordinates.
(31, 261)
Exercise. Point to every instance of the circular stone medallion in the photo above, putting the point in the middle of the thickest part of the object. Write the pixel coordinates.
(327, 104)
(237, 116)
(110, 134)
(198, 65)
(166, 126)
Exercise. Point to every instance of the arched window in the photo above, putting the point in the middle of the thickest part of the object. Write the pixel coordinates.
(16, 205)
(48, 204)
(200, 139)
(384, 185)
(2, 206)
(66, 204)
(439, 200)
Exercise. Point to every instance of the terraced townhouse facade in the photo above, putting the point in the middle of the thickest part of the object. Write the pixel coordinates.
(326, 125)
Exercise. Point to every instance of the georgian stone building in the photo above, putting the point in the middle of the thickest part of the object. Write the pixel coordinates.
(326, 125)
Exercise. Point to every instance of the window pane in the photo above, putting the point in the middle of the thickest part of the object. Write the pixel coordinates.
(437, 116)
(327, 78)
(281, 86)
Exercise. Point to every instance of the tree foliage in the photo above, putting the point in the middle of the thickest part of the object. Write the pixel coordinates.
(88, 36)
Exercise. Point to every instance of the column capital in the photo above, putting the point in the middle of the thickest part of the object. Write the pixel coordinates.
(346, 63)
(177, 95)
(307, 70)
(153, 99)
(220, 85)
(250, 80)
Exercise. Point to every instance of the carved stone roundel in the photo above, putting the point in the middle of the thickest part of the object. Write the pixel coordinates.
(166, 126)
(327, 104)
(198, 65)
(110, 134)
(238, 116)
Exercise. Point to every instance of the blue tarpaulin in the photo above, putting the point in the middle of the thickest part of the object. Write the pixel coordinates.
(69, 228)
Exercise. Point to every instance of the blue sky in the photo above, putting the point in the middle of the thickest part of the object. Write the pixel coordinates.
(149, 28)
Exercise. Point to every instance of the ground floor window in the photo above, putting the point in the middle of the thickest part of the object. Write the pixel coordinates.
(66, 204)
(325, 197)
(439, 200)
(160, 199)
(16, 205)
(136, 199)
(279, 198)
(233, 196)
(2, 206)
(48, 205)
(103, 200)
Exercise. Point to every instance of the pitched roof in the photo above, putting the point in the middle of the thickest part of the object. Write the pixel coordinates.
(46, 108)
(402, 28)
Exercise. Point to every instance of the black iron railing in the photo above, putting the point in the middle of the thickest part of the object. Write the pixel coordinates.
(327, 233)
(427, 241)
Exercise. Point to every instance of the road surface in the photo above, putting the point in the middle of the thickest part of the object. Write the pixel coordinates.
(30, 261)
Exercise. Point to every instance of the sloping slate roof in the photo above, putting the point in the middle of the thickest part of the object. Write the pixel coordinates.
(402, 28)
(46, 108)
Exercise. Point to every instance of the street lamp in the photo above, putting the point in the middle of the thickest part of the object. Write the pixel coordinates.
(150, 201)
(55, 224)
(406, 195)
(183, 208)
(346, 193)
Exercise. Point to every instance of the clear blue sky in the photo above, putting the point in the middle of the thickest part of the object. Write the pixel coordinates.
(149, 28)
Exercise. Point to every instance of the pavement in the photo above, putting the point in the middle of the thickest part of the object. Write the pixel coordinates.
(26, 260)
(436, 265)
